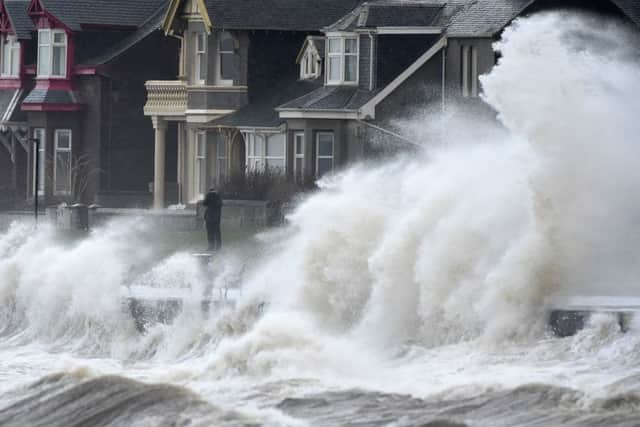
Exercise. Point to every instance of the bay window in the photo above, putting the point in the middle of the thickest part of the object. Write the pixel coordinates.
(52, 53)
(201, 163)
(200, 65)
(62, 167)
(266, 152)
(342, 60)
(324, 153)
(10, 56)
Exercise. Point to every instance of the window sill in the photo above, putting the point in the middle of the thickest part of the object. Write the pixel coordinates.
(355, 84)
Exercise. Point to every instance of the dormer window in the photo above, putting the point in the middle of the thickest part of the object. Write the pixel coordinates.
(309, 65)
(342, 60)
(10, 56)
(52, 53)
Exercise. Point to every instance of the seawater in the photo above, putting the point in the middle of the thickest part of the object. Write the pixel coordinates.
(406, 292)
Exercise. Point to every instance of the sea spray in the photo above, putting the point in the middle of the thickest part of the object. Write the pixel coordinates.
(470, 239)
(459, 245)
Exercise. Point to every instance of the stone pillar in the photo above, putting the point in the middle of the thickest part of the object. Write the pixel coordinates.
(160, 127)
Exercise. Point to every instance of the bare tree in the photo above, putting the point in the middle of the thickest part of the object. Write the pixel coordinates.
(78, 173)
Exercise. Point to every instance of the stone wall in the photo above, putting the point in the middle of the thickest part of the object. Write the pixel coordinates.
(235, 214)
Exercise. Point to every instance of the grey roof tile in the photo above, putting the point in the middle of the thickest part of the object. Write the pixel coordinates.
(399, 13)
(50, 96)
(152, 24)
(331, 98)
(631, 8)
(6, 95)
(391, 13)
(20, 21)
(75, 13)
(487, 17)
(260, 112)
(288, 15)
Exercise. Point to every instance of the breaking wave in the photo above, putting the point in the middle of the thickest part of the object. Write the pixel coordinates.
(421, 276)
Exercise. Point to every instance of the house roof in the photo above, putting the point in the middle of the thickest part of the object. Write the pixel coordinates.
(20, 21)
(631, 8)
(9, 99)
(331, 98)
(286, 15)
(390, 13)
(260, 112)
(487, 17)
(152, 24)
(121, 13)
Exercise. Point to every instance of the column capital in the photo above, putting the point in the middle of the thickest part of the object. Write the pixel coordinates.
(159, 123)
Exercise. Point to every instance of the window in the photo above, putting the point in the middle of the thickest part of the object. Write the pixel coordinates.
(62, 162)
(266, 152)
(201, 163)
(223, 159)
(226, 56)
(39, 149)
(255, 151)
(469, 71)
(10, 56)
(298, 156)
(52, 53)
(200, 67)
(342, 60)
(324, 153)
(309, 66)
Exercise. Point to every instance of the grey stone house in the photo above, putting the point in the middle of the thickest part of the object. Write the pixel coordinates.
(307, 86)
(236, 66)
(388, 60)
(72, 76)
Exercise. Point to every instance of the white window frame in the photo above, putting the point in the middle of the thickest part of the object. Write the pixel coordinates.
(258, 163)
(469, 71)
(298, 175)
(219, 80)
(309, 65)
(200, 163)
(57, 149)
(222, 159)
(333, 151)
(14, 56)
(342, 55)
(200, 57)
(50, 47)
(39, 134)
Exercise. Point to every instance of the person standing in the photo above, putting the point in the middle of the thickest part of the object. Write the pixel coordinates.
(212, 216)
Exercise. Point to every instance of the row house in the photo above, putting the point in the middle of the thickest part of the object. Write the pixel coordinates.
(72, 75)
(303, 87)
(236, 66)
(389, 61)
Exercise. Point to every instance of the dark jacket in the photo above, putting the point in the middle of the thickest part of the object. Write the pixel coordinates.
(213, 203)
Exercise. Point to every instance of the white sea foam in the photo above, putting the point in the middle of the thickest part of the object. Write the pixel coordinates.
(420, 275)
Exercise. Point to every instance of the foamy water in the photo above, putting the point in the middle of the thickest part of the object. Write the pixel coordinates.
(412, 292)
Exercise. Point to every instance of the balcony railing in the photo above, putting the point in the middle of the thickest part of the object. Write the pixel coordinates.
(166, 98)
